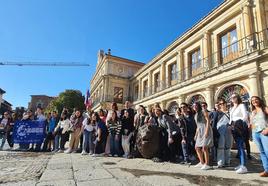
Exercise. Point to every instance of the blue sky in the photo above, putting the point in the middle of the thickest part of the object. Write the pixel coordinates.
(74, 30)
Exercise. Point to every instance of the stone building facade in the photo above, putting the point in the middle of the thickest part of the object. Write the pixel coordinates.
(111, 82)
(39, 101)
(225, 52)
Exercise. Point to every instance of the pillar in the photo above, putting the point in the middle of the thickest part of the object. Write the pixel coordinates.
(254, 84)
(150, 82)
(206, 50)
(247, 18)
(181, 99)
(179, 61)
(163, 75)
(163, 104)
(140, 89)
(209, 97)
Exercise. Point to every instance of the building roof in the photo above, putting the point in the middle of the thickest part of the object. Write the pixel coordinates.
(2, 91)
(7, 103)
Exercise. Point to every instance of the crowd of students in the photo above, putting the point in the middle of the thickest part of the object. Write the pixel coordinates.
(193, 133)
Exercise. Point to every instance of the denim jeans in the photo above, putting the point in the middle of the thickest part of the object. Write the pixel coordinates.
(262, 143)
(185, 151)
(87, 141)
(224, 145)
(240, 147)
(114, 145)
(3, 140)
(57, 142)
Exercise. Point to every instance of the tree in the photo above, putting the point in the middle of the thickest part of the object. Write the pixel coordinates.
(69, 99)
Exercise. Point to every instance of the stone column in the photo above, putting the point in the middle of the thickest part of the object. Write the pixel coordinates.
(106, 88)
(261, 19)
(247, 18)
(209, 97)
(186, 69)
(140, 89)
(163, 75)
(163, 104)
(260, 15)
(254, 84)
(179, 60)
(181, 99)
(150, 80)
(206, 50)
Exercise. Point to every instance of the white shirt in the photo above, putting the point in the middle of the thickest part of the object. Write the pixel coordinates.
(88, 127)
(41, 117)
(65, 125)
(239, 112)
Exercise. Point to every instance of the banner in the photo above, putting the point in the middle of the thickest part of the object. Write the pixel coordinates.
(28, 131)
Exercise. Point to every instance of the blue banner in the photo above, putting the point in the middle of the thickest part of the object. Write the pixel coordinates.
(28, 131)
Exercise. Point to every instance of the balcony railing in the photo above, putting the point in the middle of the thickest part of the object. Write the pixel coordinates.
(245, 46)
(110, 98)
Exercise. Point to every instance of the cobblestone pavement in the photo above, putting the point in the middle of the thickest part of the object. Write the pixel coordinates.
(45, 169)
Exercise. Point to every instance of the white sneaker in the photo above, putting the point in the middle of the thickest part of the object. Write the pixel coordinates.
(205, 167)
(238, 167)
(199, 165)
(242, 170)
(68, 151)
(84, 153)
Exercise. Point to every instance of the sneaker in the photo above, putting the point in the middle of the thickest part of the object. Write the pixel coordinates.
(242, 170)
(60, 151)
(199, 165)
(264, 174)
(84, 153)
(238, 167)
(68, 151)
(205, 167)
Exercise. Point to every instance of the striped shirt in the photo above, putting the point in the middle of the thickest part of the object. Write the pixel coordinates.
(114, 128)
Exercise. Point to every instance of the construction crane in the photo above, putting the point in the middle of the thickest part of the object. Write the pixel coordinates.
(68, 64)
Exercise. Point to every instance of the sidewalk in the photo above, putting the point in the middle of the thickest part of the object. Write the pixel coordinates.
(74, 169)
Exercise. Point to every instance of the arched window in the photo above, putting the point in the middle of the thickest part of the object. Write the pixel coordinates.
(242, 91)
(195, 98)
(172, 107)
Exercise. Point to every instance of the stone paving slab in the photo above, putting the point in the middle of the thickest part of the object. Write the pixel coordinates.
(102, 182)
(55, 175)
(88, 175)
(57, 183)
(73, 169)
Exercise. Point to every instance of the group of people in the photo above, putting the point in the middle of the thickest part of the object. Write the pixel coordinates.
(193, 133)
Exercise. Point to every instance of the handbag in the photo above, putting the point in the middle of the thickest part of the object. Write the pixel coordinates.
(239, 128)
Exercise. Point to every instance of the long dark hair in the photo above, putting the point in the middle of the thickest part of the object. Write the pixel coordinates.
(200, 115)
(97, 117)
(116, 117)
(114, 105)
(262, 106)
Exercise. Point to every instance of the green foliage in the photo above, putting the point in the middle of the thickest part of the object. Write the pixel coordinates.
(69, 99)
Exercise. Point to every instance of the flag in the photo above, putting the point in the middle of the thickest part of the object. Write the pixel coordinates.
(27, 131)
(88, 102)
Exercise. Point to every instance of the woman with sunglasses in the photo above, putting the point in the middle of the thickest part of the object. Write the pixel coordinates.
(225, 139)
(258, 122)
(239, 119)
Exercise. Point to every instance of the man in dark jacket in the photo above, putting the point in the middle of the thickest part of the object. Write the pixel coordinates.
(169, 136)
